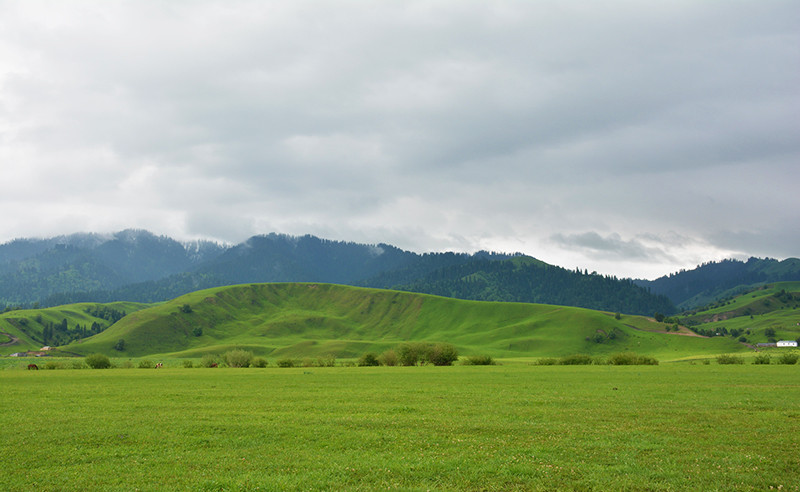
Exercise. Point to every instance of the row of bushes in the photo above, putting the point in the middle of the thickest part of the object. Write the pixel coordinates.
(407, 355)
(621, 359)
(789, 358)
(412, 354)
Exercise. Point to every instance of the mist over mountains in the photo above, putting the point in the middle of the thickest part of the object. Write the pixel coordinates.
(136, 265)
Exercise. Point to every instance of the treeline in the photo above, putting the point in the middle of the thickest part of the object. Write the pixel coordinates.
(57, 334)
(708, 281)
(61, 333)
(514, 280)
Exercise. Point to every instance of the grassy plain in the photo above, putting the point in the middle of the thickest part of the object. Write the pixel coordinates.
(514, 427)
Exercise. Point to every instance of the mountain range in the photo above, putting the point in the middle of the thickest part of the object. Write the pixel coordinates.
(136, 265)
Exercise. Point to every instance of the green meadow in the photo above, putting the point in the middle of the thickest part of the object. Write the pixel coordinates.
(511, 427)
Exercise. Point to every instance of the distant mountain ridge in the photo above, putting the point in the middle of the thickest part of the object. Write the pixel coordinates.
(136, 265)
(31, 270)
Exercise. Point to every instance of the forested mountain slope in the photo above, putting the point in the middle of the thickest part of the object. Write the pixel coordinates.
(708, 282)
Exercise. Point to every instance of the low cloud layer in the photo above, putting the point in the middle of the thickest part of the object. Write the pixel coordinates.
(629, 138)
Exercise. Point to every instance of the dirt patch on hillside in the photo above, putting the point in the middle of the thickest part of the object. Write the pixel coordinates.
(11, 337)
(687, 333)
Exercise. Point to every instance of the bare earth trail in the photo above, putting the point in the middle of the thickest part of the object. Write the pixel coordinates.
(12, 337)
(680, 333)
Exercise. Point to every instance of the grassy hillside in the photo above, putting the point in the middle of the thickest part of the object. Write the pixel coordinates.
(319, 319)
(774, 307)
(26, 326)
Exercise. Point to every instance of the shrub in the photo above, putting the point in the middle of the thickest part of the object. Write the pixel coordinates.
(286, 362)
(368, 359)
(479, 360)
(631, 359)
(120, 345)
(186, 309)
(788, 358)
(98, 361)
(389, 358)
(188, 364)
(411, 354)
(197, 331)
(575, 360)
(208, 360)
(729, 359)
(761, 359)
(238, 358)
(442, 354)
(259, 362)
(547, 361)
(51, 364)
(146, 364)
(326, 361)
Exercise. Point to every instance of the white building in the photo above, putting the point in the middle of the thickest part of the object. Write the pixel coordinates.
(787, 343)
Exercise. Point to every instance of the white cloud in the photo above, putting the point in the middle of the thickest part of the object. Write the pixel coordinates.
(430, 125)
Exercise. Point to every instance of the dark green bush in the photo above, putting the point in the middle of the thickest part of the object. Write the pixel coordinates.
(761, 359)
(188, 364)
(729, 359)
(411, 353)
(326, 361)
(389, 358)
(631, 359)
(238, 358)
(788, 358)
(208, 360)
(368, 359)
(547, 361)
(479, 360)
(575, 360)
(98, 361)
(259, 362)
(285, 362)
(442, 354)
(146, 364)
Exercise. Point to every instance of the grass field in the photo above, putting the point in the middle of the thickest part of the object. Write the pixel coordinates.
(514, 427)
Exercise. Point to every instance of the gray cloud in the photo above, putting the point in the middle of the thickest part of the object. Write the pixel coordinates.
(432, 125)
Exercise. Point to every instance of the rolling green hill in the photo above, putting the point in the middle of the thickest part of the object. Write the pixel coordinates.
(27, 329)
(767, 313)
(302, 319)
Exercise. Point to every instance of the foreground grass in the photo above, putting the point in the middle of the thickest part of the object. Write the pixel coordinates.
(468, 428)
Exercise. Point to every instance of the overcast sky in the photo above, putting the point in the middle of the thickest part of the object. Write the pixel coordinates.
(632, 138)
